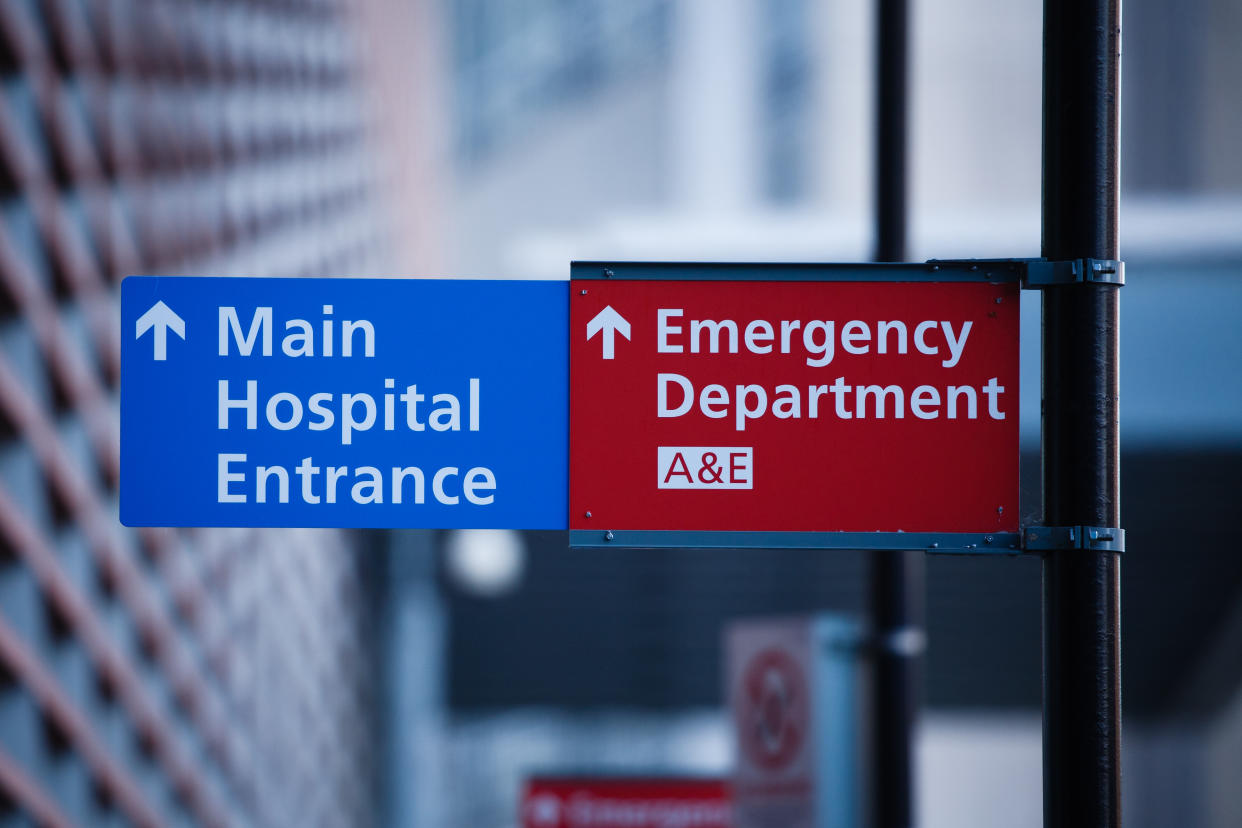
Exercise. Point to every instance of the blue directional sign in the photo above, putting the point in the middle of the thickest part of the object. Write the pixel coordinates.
(343, 402)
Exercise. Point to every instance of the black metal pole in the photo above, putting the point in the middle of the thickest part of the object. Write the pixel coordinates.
(1081, 617)
(891, 48)
(896, 616)
(896, 578)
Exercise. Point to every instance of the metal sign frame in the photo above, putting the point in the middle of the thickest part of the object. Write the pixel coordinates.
(1030, 274)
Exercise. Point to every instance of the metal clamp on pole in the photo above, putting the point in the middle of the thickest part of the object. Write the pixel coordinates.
(1042, 273)
(1040, 539)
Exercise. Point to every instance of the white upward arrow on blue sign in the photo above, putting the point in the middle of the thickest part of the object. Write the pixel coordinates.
(161, 319)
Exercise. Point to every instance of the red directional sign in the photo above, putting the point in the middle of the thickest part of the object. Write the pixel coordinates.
(623, 802)
(794, 406)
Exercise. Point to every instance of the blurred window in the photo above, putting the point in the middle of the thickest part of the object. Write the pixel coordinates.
(513, 63)
(787, 73)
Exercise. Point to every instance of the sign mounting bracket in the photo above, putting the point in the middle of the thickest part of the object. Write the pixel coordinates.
(1034, 274)
(1035, 540)
(1042, 273)
(1041, 539)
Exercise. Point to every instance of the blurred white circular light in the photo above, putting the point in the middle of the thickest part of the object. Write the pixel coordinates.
(485, 562)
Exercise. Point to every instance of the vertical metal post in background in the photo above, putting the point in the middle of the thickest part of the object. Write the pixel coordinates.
(1081, 617)
(896, 578)
(891, 49)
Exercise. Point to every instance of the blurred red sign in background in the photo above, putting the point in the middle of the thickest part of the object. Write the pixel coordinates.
(650, 802)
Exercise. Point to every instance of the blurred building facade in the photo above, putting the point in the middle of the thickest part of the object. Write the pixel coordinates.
(153, 678)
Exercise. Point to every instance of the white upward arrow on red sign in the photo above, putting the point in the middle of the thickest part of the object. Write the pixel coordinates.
(611, 323)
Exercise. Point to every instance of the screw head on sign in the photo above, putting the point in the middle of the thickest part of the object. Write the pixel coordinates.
(584, 293)
(1000, 510)
(607, 273)
(608, 536)
(987, 538)
(588, 514)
